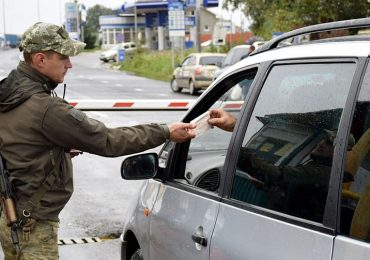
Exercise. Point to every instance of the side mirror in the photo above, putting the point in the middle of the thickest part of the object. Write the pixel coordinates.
(139, 167)
(178, 65)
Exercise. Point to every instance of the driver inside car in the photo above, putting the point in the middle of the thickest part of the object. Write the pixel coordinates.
(308, 181)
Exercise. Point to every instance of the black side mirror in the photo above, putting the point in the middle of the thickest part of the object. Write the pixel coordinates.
(139, 167)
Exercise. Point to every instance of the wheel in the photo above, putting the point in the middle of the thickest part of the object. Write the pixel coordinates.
(174, 86)
(193, 91)
(137, 255)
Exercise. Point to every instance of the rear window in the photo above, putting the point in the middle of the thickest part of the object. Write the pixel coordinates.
(211, 60)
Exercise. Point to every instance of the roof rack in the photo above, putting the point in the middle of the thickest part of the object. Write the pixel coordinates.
(347, 24)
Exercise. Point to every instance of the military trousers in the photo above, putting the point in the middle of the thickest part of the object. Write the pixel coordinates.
(40, 244)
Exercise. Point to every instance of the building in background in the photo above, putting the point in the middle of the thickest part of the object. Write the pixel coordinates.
(147, 22)
(151, 27)
(115, 29)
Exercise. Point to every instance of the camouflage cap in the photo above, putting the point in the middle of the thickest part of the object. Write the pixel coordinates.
(46, 37)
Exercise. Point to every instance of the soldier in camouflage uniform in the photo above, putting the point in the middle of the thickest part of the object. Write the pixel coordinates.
(38, 131)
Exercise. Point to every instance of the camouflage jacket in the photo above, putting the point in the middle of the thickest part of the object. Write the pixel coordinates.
(33, 123)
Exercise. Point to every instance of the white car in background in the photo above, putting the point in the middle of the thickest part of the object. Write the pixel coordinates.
(196, 72)
(112, 53)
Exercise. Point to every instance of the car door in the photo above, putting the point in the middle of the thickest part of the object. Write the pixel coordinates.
(274, 204)
(188, 70)
(185, 211)
(353, 239)
(180, 72)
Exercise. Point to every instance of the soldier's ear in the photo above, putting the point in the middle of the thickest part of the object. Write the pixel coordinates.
(38, 59)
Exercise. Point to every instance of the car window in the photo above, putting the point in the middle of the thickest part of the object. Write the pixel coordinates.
(212, 146)
(285, 159)
(187, 61)
(211, 60)
(206, 154)
(355, 202)
(192, 61)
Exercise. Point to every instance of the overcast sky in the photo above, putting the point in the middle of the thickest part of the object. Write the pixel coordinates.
(21, 14)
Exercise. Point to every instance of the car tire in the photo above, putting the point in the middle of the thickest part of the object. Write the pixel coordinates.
(174, 86)
(193, 91)
(137, 255)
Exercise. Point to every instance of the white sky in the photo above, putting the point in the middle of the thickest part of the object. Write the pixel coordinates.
(21, 14)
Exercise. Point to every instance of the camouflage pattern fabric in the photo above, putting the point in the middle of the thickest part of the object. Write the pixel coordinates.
(41, 245)
(49, 37)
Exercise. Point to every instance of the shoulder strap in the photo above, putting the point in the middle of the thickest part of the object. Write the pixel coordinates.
(34, 202)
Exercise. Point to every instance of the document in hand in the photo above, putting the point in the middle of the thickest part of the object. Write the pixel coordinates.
(202, 124)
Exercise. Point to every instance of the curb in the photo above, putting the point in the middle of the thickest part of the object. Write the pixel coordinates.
(84, 240)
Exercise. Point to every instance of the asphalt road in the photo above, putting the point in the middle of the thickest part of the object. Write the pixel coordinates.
(90, 78)
(97, 207)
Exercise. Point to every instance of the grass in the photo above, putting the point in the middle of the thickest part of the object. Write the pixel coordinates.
(154, 64)
(151, 64)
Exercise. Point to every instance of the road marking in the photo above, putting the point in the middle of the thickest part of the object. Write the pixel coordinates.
(104, 81)
(139, 89)
(84, 240)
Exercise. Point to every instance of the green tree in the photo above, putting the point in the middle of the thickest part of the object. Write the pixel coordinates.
(284, 15)
(92, 22)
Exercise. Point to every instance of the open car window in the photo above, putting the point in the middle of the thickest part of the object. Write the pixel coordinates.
(206, 154)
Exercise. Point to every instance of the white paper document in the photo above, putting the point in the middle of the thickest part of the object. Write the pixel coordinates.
(202, 124)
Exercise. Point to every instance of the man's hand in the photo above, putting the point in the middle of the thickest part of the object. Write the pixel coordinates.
(222, 119)
(181, 132)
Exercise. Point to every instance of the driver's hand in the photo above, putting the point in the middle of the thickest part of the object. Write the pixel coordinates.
(222, 119)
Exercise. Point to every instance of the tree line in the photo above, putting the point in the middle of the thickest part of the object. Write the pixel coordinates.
(269, 16)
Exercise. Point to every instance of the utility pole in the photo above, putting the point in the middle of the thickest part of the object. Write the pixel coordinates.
(4, 18)
(136, 39)
(197, 20)
(38, 10)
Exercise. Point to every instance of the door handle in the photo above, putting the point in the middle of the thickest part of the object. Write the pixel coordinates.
(200, 239)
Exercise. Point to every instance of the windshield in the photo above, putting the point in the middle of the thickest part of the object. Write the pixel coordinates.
(211, 60)
(234, 56)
